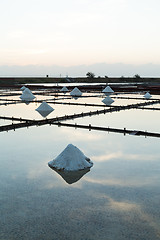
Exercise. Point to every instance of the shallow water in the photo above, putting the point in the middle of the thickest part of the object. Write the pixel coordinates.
(117, 199)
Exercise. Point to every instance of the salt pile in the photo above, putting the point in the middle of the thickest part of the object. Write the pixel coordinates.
(108, 90)
(44, 109)
(108, 100)
(147, 95)
(23, 88)
(76, 92)
(64, 89)
(71, 159)
(27, 95)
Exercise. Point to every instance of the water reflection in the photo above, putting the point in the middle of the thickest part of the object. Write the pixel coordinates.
(108, 100)
(71, 176)
(75, 98)
(106, 196)
(26, 102)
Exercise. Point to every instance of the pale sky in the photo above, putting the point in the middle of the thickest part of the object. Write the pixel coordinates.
(77, 32)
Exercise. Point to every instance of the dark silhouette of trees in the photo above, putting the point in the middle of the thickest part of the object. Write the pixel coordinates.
(90, 75)
(137, 76)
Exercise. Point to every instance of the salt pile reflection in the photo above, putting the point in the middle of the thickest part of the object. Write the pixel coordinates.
(71, 176)
(108, 100)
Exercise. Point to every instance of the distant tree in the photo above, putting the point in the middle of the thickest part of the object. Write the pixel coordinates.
(106, 76)
(137, 76)
(90, 75)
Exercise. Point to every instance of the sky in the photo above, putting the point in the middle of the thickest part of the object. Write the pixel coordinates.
(69, 34)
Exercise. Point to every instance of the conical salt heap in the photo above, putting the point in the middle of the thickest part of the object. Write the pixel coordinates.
(64, 89)
(76, 92)
(108, 90)
(108, 100)
(71, 159)
(44, 109)
(27, 95)
(147, 95)
(23, 88)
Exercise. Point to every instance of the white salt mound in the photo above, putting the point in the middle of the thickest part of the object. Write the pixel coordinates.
(108, 100)
(64, 89)
(75, 92)
(23, 88)
(147, 95)
(44, 109)
(108, 89)
(27, 95)
(71, 159)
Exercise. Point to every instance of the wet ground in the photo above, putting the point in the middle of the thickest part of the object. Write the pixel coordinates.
(117, 199)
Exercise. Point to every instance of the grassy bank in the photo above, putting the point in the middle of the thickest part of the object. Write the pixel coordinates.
(25, 80)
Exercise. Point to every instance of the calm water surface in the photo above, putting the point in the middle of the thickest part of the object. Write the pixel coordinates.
(117, 199)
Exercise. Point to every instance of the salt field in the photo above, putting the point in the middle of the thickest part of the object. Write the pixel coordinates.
(117, 198)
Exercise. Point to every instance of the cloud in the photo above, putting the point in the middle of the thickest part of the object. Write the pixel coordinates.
(24, 52)
(109, 182)
(128, 157)
(107, 157)
(80, 136)
(122, 205)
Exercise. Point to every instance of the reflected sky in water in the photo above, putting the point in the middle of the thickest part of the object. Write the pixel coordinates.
(117, 199)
